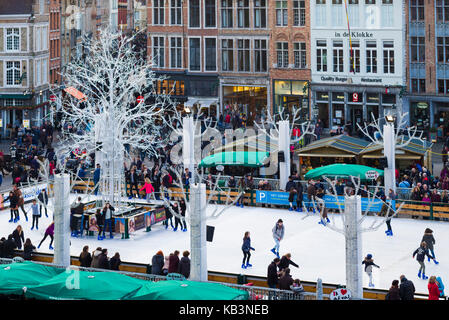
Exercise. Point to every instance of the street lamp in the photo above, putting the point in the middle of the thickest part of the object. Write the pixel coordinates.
(389, 118)
(187, 110)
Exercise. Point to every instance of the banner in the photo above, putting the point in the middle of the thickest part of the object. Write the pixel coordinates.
(28, 193)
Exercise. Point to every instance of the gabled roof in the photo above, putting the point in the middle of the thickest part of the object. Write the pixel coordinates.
(16, 7)
(415, 146)
(342, 142)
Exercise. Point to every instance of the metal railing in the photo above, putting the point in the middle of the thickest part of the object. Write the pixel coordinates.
(254, 293)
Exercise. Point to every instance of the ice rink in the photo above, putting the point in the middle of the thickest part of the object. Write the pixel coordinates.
(317, 250)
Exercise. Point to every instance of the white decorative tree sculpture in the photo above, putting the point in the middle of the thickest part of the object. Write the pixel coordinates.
(107, 117)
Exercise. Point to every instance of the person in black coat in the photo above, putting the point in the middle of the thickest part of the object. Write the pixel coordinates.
(13, 205)
(132, 177)
(9, 246)
(299, 193)
(168, 217)
(406, 289)
(183, 208)
(272, 274)
(85, 258)
(28, 249)
(420, 253)
(2, 247)
(286, 262)
(246, 248)
(175, 209)
(43, 201)
(184, 264)
(286, 280)
(157, 263)
(18, 237)
(99, 215)
(115, 262)
(103, 261)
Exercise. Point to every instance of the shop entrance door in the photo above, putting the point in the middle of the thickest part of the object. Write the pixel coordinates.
(356, 116)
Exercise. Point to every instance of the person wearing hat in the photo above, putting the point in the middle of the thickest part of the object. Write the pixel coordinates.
(430, 241)
(369, 263)
(278, 234)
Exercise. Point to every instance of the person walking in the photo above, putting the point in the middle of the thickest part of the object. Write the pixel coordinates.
(429, 239)
(35, 214)
(420, 253)
(157, 263)
(278, 234)
(18, 236)
(50, 231)
(434, 292)
(173, 262)
(406, 289)
(393, 292)
(184, 264)
(28, 249)
(43, 201)
(272, 275)
(148, 187)
(107, 213)
(369, 263)
(85, 258)
(115, 262)
(286, 262)
(246, 248)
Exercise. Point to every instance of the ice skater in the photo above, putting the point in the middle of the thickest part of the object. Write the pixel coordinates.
(148, 187)
(369, 263)
(430, 241)
(49, 232)
(35, 214)
(420, 253)
(13, 200)
(246, 248)
(278, 234)
(387, 213)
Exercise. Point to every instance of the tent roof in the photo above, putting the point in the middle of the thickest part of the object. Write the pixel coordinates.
(342, 142)
(257, 143)
(415, 146)
(238, 158)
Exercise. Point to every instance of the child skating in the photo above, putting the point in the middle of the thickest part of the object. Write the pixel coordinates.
(369, 263)
(420, 253)
(246, 248)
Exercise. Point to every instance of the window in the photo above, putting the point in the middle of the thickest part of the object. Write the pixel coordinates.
(338, 56)
(158, 52)
(211, 54)
(354, 57)
(418, 85)
(12, 73)
(388, 57)
(320, 11)
(417, 10)
(194, 13)
(417, 49)
(299, 52)
(353, 12)
(260, 14)
(176, 52)
(443, 49)
(12, 39)
(227, 55)
(387, 16)
(243, 55)
(337, 13)
(299, 13)
(371, 57)
(38, 75)
(243, 13)
(175, 12)
(282, 54)
(443, 86)
(158, 12)
(260, 55)
(226, 14)
(281, 13)
(210, 14)
(321, 56)
(442, 10)
(194, 54)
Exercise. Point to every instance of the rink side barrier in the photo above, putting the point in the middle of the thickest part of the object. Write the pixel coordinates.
(230, 278)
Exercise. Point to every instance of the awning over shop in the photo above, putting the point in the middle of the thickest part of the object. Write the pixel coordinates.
(343, 170)
(257, 143)
(416, 149)
(239, 158)
(337, 146)
(76, 93)
(190, 102)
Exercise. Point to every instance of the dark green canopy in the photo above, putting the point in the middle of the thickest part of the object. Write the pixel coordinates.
(187, 290)
(252, 159)
(343, 170)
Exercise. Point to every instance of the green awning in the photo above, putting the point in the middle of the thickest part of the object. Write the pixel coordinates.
(239, 158)
(16, 96)
(15, 276)
(83, 285)
(343, 170)
(187, 290)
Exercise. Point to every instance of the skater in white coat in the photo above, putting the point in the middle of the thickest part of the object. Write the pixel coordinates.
(369, 263)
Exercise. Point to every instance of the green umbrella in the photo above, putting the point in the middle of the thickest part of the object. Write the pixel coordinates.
(238, 158)
(15, 276)
(187, 290)
(343, 170)
(84, 285)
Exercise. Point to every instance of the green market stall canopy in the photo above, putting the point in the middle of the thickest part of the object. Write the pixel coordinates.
(342, 170)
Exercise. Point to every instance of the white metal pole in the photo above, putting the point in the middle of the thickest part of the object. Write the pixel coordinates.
(62, 220)
(188, 141)
(390, 153)
(284, 145)
(198, 244)
(353, 237)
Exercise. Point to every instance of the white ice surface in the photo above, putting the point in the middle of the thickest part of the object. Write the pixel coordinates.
(317, 250)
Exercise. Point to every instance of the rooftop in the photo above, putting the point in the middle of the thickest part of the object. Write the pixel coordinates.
(16, 7)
